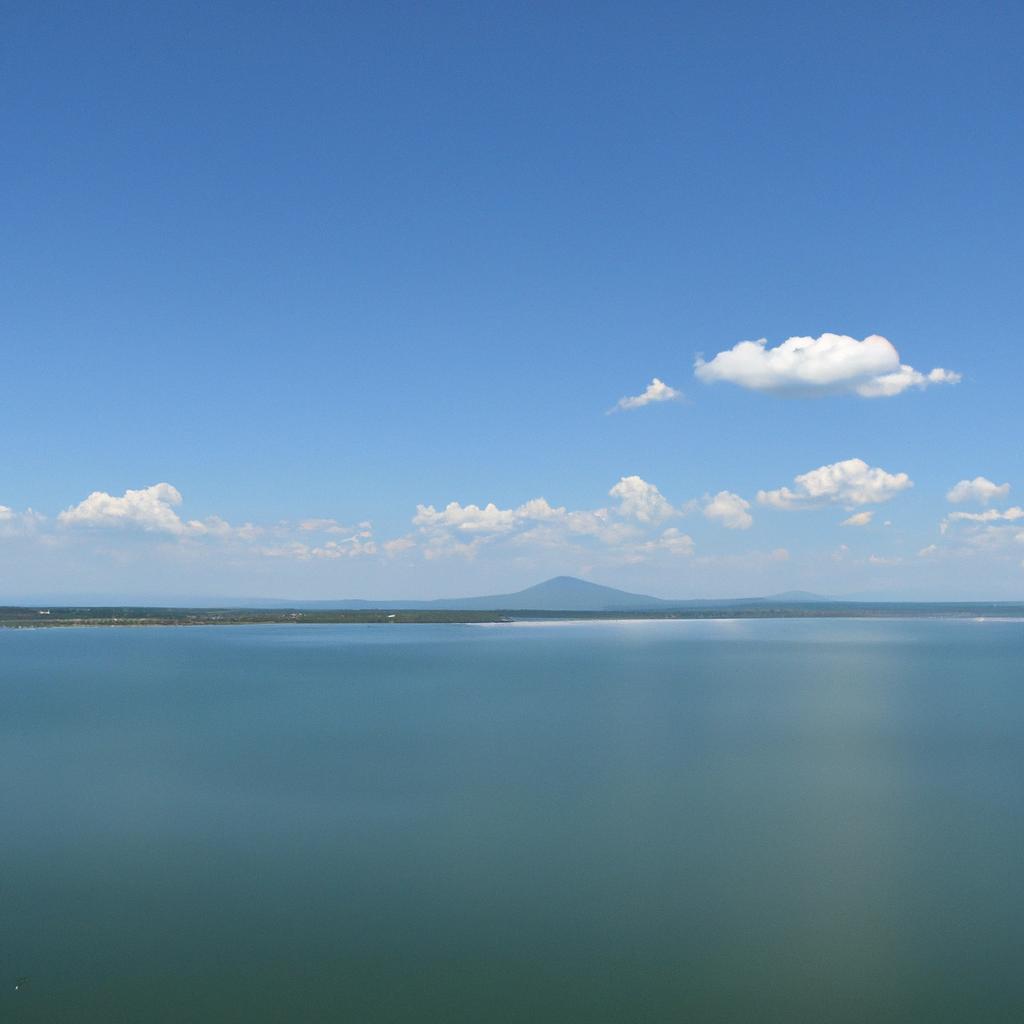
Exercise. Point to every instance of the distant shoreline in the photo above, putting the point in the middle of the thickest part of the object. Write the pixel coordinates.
(55, 617)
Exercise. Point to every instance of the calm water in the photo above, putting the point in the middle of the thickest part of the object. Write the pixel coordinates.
(650, 821)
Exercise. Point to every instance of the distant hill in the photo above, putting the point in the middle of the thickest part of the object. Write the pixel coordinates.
(560, 594)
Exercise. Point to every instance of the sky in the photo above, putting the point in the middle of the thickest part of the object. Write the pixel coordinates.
(394, 300)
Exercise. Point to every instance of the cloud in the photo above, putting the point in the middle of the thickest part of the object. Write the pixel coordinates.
(882, 560)
(467, 518)
(672, 541)
(393, 548)
(730, 510)
(905, 377)
(656, 391)
(858, 519)
(641, 500)
(990, 515)
(623, 532)
(316, 525)
(150, 509)
(979, 489)
(351, 547)
(850, 482)
(19, 524)
(830, 364)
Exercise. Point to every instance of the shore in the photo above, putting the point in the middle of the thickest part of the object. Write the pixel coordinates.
(55, 617)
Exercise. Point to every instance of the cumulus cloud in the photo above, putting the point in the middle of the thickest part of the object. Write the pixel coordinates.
(990, 515)
(623, 530)
(656, 391)
(672, 541)
(151, 509)
(730, 510)
(980, 489)
(850, 482)
(467, 518)
(829, 364)
(351, 547)
(858, 519)
(640, 500)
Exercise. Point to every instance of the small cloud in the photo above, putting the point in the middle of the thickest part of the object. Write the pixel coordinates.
(730, 510)
(315, 525)
(672, 541)
(641, 500)
(393, 548)
(829, 364)
(881, 560)
(466, 518)
(656, 391)
(990, 515)
(851, 482)
(980, 489)
(859, 519)
(928, 552)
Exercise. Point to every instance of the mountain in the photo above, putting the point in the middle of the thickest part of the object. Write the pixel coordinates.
(560, 594)
(796, 597)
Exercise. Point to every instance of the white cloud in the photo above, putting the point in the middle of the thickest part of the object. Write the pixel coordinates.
(351, 547)
(858, 519)
(467, 518)
(979, 489)
(393, 548)
(462, 530)
(905, 377)
(316, 525)
(990, 515)
(150, 509)
(850, 482)
(656, 391)
(672, 541)
(19, 524)
(830, 364)
(882, 560)
(730, 510)
(641, 500)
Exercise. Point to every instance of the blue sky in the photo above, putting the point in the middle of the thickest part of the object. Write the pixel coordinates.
(320, 262)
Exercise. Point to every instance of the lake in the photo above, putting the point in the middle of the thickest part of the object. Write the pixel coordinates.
(805, 820)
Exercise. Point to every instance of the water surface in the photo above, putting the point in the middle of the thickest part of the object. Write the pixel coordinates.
(647, 821)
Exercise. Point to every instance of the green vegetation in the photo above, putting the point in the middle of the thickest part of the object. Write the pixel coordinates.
(38, 617)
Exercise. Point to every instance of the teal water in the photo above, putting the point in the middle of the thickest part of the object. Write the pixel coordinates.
(649, 821)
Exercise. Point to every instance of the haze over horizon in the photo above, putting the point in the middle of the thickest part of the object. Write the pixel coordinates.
(398, 302)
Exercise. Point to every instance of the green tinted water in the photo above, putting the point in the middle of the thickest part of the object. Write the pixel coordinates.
(649, 821)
